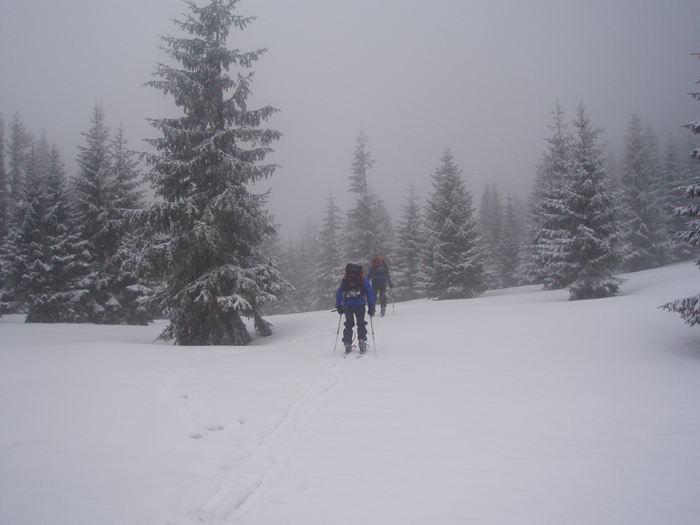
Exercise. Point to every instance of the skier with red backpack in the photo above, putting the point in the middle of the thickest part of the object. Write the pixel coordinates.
(350, 300)
(379, 276)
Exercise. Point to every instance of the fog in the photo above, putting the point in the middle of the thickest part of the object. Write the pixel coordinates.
(480, 77)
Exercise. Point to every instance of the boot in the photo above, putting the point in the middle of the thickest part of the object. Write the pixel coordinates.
(362, 343)
(348, 347)
(383, 311)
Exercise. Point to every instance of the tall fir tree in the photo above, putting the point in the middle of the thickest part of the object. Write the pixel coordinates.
(368, 229)
(91, 192)
(304, 262)
(42, 151)
(453, 260)
(409, 248)
(105, 194)
(675, 177)
(206, 236)
(329, 259)
(644, 223)
(594, 251)
(542, 260)
(98, 229)
(18, 149)
(491, 222)
(42, 252)
(128, 293)
(511, 243)
(4, 187)
(689, 307)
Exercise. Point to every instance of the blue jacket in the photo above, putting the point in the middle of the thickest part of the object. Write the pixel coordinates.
(360, 299)
(379, 275)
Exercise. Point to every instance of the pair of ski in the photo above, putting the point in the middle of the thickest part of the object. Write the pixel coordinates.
(346, 354)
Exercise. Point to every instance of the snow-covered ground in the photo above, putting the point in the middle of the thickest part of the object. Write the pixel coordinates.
(518, 407)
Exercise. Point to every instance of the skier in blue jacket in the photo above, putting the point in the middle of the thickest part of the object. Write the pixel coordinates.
(350, 300)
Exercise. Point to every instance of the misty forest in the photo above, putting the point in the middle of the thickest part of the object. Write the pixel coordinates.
(179, 232)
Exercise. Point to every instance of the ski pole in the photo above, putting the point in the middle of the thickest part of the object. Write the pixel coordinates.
(337, 333)
(374, 343)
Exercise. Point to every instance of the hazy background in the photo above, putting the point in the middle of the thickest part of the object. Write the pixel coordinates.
(481, 77)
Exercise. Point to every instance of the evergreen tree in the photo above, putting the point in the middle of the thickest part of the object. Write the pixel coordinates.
(42, 152)
(98, 230)
(329, 264)
(452, 263)
(593, 252)
(491, 220)
(648, 244)
(18, 149)
(4, 188)
(42, 264)
(105, 195)
(128, 294)
(362, 162)
(689, 308)
(286, 256)
(548, 232)
(510, 245)
(91, 193)
(410, 245)
(125, 180)
(305, 262)
(206, 236)
(675, 177)
(369, 231)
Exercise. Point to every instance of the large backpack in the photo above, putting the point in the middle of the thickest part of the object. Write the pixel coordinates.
(352, 281)
(380, 266)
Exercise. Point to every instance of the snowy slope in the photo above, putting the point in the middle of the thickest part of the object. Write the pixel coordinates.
(518, 407)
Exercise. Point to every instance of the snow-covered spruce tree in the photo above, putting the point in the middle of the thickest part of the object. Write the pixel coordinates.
(676, 175)
(42, 152)
(491, 221)
(4, 209)
(453, 259)
(128, 293)
(408, 250)
(593, 252)
(644, 224)
(689, 308)
(329, 262)
(4, 192)
(303, 262)
(286, 258)
(90, 191)
(511, 242)
(206, 237)
(368, 228)
(104, 190)
(41, 254)
(18, 148)
(542, 260)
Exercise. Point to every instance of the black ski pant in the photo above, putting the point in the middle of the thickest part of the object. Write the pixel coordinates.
(379, 289)
(353, 313)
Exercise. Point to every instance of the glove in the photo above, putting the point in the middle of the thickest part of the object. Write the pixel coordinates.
(371, 310)
(339, 307)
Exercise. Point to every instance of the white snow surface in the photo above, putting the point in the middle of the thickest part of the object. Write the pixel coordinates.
(518, 407)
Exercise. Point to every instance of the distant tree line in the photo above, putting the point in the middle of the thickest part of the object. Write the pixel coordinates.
(206, 254)
(586, 219)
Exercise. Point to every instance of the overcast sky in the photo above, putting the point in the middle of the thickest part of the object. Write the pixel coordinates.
(480, 77)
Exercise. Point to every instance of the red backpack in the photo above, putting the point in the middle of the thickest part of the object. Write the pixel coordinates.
(380, 265)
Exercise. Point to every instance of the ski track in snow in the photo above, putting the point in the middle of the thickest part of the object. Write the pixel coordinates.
(241, 488)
